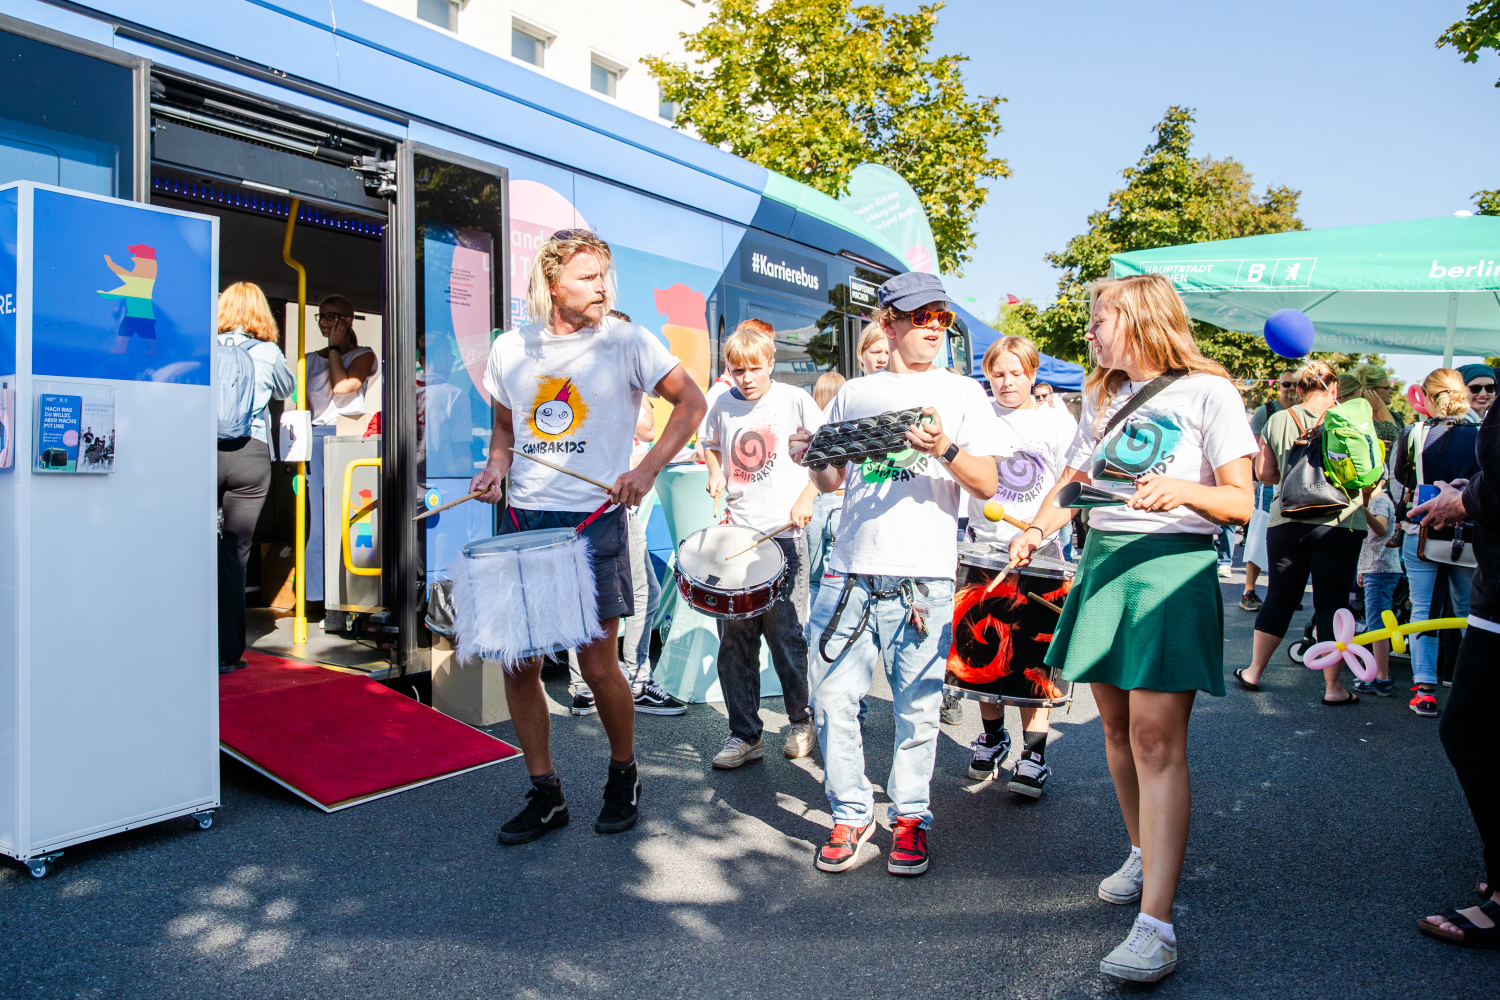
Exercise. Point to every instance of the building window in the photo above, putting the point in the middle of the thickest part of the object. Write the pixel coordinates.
(526, 47)
(603, 80)
(665, 108)
(439, 12)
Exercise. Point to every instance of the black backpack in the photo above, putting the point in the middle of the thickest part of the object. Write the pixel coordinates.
(1306, 493)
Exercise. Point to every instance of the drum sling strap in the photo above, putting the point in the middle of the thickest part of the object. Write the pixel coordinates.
(906, 588)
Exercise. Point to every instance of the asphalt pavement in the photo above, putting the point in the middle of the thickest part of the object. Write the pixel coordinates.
(1319, 837)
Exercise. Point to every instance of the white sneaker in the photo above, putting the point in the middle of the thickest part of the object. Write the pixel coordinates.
(801, 739)
(1224, 571)
(1144, 957)
(737, 752)
(1124, 886)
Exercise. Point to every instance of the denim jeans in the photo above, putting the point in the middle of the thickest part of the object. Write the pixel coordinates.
(1380, 595)
(783, 626)
(1422, 577)
(841, 668)
(1225, 545)
(820, 533)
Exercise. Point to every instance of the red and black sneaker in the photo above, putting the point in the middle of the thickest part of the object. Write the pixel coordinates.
(909, 852)
(1424, 704)
(843, 846)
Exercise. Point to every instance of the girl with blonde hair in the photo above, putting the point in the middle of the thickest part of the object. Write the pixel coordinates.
(246, 324)
(1165, 430)
(1032, 453)
(874, 351)
(1447, 444)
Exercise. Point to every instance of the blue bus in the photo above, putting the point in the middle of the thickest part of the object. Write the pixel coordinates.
(425, 172)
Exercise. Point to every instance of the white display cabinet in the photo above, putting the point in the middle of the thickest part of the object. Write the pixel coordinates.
(108, 575)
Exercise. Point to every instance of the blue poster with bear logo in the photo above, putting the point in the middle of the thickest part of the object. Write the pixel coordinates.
(118, 292)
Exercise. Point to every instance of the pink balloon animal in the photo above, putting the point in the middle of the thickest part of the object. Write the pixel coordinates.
(1327, 654)
(1417, 398)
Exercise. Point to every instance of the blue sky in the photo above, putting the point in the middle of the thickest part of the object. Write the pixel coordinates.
(1350, 103)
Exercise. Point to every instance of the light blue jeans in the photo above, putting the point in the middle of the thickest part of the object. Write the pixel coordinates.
(820, 533)
(1422, 579)
(841, 667)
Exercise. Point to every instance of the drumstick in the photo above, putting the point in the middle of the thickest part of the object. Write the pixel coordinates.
(567, 472)
(997, 580)
(760, 538)
(451, 503)
(1043, 602)
(995, 511)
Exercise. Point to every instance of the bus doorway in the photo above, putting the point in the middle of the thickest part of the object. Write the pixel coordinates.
(249, 165)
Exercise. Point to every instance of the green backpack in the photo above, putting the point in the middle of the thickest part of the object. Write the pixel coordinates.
(1353, 457)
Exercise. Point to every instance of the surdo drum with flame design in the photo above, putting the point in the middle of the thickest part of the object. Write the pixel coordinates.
(1001, 630)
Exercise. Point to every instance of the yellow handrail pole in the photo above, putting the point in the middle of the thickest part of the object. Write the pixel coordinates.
(299, 483)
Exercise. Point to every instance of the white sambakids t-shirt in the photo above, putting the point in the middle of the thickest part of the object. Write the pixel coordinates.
(900, 515)
(751, 438)
(574, 401)
(1186, 431)
(1033, 454)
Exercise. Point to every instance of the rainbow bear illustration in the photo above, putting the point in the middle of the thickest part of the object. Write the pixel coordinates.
(136, 287)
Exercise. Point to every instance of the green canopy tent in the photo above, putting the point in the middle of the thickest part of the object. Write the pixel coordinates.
(1431, 286)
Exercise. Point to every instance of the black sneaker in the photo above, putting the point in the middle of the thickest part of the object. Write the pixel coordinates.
(654, 700)
(1029, 776)
(546, 811)
(987, 755)
(583, 705)
(622, 796)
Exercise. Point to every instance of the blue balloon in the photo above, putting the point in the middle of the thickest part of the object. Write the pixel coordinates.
(1289, 333)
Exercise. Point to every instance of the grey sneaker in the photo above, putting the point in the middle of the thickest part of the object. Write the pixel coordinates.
(801, 739)
(953, 709)
(1143, 957)
(737, 752)
(1124, 886)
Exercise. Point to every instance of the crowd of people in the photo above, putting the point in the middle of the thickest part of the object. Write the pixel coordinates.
(872, 550)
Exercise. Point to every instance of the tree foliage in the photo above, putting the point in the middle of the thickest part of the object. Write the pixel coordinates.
(813, 88)
(1171, 197)
(1475, 33)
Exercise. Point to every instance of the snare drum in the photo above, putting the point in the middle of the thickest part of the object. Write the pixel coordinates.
(743, 587)
(1001, 635)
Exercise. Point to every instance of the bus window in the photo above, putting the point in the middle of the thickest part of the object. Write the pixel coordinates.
(806, 345)
(67, 118)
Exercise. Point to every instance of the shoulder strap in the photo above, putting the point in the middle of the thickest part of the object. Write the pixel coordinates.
(1150, 389)
(1419, 437)
(1301, 427)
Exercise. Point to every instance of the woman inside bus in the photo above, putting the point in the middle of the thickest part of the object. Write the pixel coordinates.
(336, 379)
(246, 322)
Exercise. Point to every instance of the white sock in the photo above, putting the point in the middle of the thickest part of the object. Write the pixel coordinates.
(1162, 927)
(1134, 849)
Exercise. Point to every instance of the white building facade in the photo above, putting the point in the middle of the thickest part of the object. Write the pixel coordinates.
(595, 46)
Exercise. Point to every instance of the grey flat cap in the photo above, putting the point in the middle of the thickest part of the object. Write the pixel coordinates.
(912, 290)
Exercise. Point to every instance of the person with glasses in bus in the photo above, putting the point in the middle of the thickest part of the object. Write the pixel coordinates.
(336, 380)
(569, 384)
(887, 594)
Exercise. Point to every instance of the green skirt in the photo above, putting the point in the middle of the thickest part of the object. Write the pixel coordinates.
(1145, 612)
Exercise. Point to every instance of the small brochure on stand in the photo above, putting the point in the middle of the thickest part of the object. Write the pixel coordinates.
(8, 422)
(75, 427)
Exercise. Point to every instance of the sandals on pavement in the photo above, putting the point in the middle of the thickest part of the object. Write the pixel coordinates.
(1239, 675)
(1351, 700)
(1471, 936)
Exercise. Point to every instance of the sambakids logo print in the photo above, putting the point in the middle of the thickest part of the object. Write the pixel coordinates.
(752, 454)
(558, 411)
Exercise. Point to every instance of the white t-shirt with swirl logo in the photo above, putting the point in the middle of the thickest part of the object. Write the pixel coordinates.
(750, 435)
(1033, 453)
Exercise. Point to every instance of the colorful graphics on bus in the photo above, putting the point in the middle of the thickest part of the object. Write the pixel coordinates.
(150, 321)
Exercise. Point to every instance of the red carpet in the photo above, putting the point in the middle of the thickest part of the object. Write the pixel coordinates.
(338, 739)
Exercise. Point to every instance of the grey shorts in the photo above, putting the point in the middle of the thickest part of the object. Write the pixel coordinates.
(609, 541)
